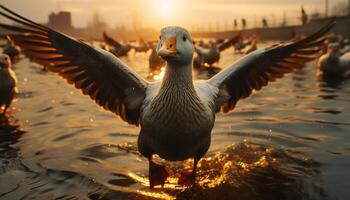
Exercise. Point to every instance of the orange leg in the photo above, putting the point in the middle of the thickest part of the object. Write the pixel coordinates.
(157, 173)
(188, 178)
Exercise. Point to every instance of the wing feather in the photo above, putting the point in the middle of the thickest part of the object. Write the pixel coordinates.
(97, 73)
(255, 70)
(230, 42)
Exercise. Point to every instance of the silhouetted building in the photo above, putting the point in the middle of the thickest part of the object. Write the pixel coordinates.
(61, 21)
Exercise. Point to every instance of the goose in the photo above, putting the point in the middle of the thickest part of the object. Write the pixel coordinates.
(333, 64)
(11, 49)
(203, 69)
(251, 47)
(143, 46)
(201, 43)
(118, 49)
(176, 115)
(345, 46)
(345, 49)
(155, 61)
(211, 55)
(241, 45)
(8, 82)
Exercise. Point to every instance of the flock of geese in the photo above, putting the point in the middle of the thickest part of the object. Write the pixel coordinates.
(177, 113)
(335, 62)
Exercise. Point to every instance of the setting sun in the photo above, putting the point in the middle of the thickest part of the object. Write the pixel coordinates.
(166, 12)
(165, 8)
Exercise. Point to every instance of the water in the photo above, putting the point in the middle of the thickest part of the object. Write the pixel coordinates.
(289, 141)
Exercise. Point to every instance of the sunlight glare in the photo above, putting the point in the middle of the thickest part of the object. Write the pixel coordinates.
(165, 12)
(166, 9)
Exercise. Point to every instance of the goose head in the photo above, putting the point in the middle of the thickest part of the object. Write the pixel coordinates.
(333, 49)
(175, 46)
(5, 61)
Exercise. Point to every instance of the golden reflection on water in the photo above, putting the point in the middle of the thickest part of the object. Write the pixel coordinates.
(236, 162)
(239, 166)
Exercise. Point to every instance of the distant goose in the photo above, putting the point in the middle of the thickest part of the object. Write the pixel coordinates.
(241, 44)
(211, 55)
(345, 49)
(8, 82)
(333, 63)
(204, 69)
(346, 46)
(207, 56)
(219, 41)
(201, 43)
(155, 61)
(177, 114)
(118, 49)
(11, 49)
(143, 47)
(251, 47)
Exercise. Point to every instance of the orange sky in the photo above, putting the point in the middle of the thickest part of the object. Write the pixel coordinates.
(157, 13)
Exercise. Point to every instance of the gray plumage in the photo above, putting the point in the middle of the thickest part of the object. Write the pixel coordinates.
(175, 118)
(8, 82)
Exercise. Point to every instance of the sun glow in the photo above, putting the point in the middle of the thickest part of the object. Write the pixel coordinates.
(165, 8)
(166, 12)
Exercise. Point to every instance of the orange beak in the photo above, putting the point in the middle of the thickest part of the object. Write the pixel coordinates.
(167, 47)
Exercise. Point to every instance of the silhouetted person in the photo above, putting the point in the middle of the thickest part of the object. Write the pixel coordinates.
(264, 23)
(235, 24)
(304, 16)
(244, 23)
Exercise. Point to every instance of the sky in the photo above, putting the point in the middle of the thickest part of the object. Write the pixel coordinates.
(159, 13)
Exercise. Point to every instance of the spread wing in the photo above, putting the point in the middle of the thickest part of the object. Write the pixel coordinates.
(230, 42)
(111, 42)
(97, 73)
(255, 70)
(201, 51)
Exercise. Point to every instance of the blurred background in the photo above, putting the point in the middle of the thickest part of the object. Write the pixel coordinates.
(133, 19)
(289, 141)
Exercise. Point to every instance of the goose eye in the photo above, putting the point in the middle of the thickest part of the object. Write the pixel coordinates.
(184, 38)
